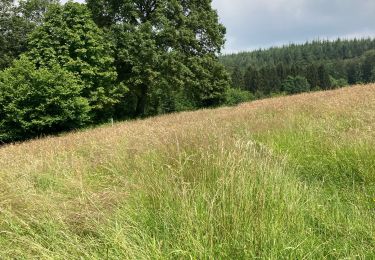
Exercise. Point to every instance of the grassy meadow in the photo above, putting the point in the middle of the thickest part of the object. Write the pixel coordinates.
(283, 178)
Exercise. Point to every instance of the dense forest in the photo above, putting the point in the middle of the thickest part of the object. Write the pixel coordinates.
(67, 66)
(298, 68)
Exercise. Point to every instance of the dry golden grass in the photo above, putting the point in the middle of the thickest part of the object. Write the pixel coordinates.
(81, 180)
(322, 105)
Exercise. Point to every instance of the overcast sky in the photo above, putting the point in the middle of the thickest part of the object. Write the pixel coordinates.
(253, 24)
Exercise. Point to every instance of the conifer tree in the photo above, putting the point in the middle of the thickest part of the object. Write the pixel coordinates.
(354, 72)
(324, 79)
(251, 79)
(281, 71)
(237, 78)
(368, 66)
(312, 75)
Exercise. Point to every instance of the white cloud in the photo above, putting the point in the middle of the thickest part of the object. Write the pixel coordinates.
(263, 23)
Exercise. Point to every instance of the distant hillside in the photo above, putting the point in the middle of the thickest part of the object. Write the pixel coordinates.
(323, 64)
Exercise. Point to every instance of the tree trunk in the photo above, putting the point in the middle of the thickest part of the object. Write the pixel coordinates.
(142, 101)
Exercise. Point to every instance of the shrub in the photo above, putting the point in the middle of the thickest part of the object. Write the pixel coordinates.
(338, 83)
(236, 96)
(294, 85)
(36, 101)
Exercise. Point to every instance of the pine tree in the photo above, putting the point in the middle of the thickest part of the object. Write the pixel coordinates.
(324, 78)
(312, 76)
(237, 78)
(354, 73)
(274, 81)
(263, 82)
(368, 66)
(281, 71)
(251, 79)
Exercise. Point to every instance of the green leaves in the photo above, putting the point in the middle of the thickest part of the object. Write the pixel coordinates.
(39, 101)
(17, 20)
(298, 84)
(13, 31)
(165, 51)
(208, 80)
(71, 39)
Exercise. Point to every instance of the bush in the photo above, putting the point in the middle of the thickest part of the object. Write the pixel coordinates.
(338, 83)
(236, 96)
(294, 85)
(37, 101)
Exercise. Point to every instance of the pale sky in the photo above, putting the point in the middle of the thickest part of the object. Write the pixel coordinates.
(253, 24)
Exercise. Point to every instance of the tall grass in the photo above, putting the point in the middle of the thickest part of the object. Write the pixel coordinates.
(291, 177)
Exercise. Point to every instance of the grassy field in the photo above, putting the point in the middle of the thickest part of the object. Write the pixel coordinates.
(290, 177)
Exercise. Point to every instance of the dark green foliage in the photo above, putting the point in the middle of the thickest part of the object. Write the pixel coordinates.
(165, 51)
(252, 79)
(368, 66)
(281, 71)
(312, 75)
(310, 52)
(207, 81)
(36, 101)
(324, 81)
(237, 78)
(324, 64)
(16, 22)
(338, 83)
(354, 72)
(71, 39)
(294, 85)
(235, 96)
(13, 31)
(124, 59)
(136, 58)
(274, 81)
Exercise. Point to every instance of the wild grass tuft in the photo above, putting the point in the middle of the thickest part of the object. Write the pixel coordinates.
(285, 178)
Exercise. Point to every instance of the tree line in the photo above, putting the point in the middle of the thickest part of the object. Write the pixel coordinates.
(67, 66)
(299, 68)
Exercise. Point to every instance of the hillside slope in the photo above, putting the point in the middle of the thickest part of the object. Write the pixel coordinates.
(324, 65)
(290, 177)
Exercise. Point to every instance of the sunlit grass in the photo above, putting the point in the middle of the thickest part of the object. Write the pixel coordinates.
(290, 177)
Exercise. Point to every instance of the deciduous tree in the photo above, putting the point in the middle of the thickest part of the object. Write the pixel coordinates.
(69, 37)
(16, 22)
(165, 43)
